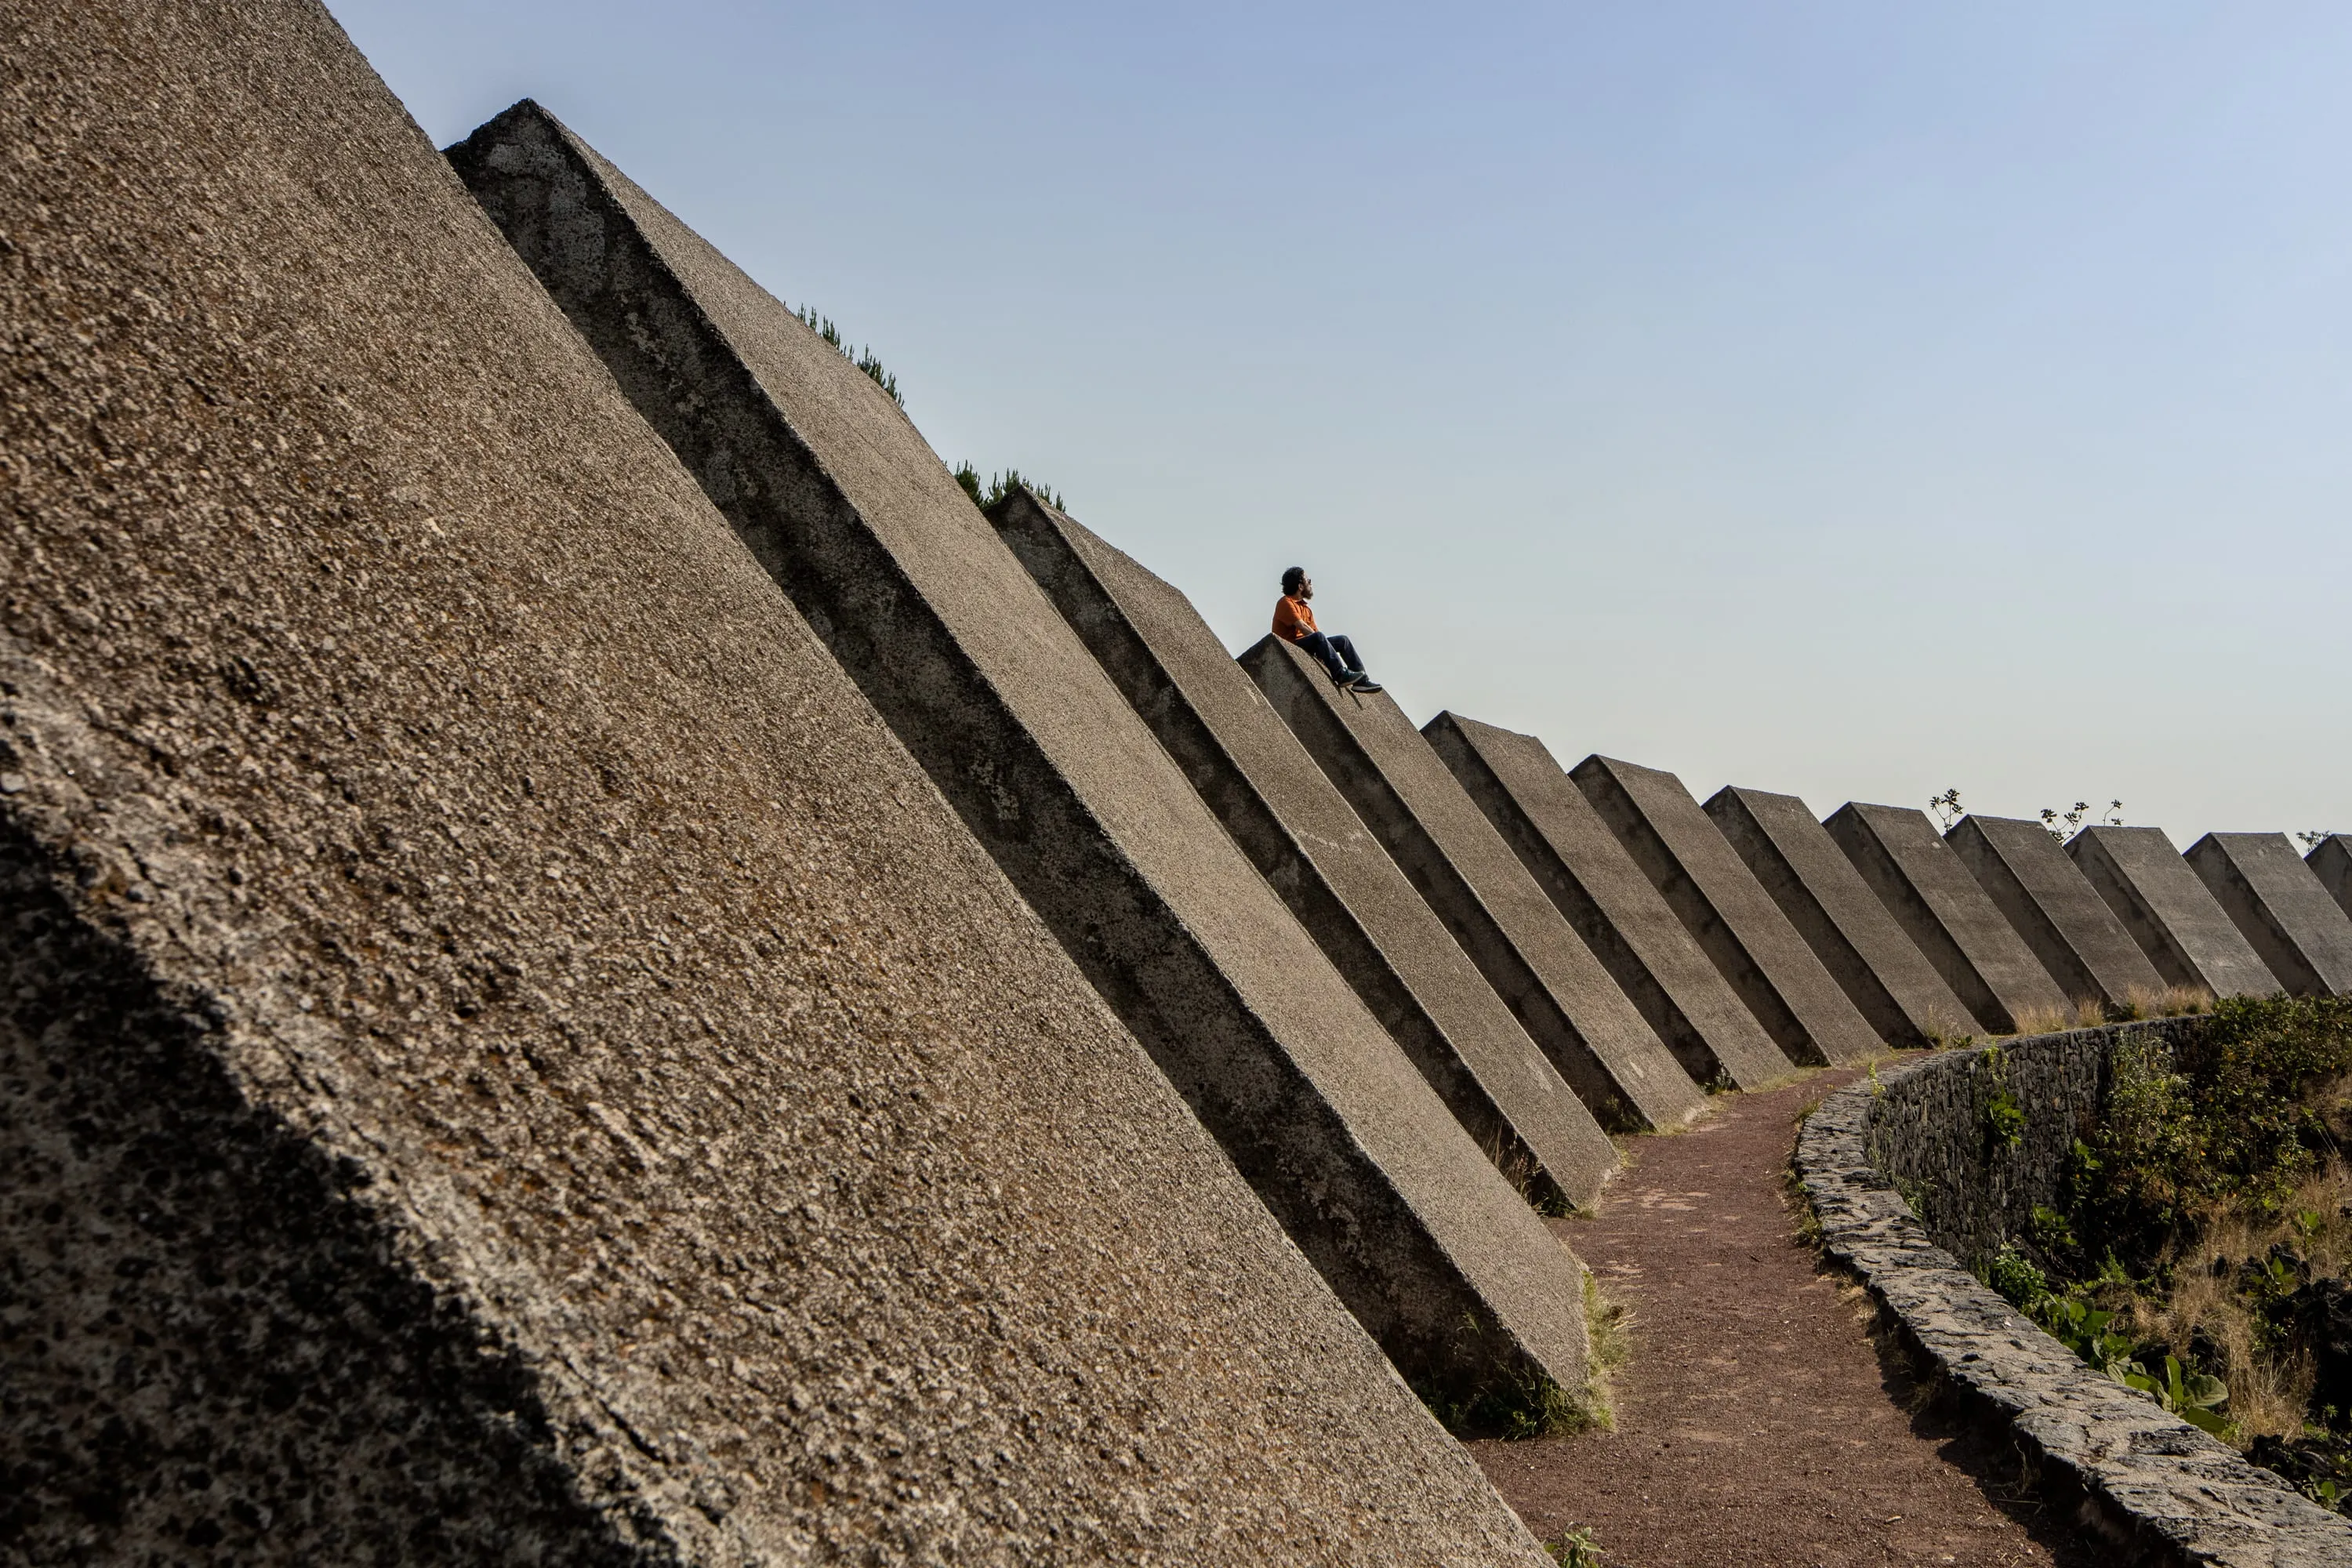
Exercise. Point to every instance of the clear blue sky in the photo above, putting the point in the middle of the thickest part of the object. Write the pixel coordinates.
(1848, 399)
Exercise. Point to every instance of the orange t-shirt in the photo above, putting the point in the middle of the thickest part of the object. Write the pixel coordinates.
(1293, 619)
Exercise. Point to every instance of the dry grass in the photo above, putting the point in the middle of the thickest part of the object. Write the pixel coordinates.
(2043, 1020)
(2138, 1002)
(1944, 1034)
(2171, 1002)
(1609, 1345)
(2267, 1395)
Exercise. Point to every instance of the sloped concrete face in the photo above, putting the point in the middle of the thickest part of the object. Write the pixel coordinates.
(1872, 958)
(1938, 904)
(502, 1057)
(1602, 895)
(2168, 911)
(1725, 909)
(1314, 851)
(980, 677)
(2331, 861)
(1559, 991)
(2278, 905)
(2025, 872)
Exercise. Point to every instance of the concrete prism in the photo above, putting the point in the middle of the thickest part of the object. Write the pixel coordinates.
(1559, 991)
(981, 677)
(1932, 896)
(2281, 908)
(1593, 882)
(1311, 848)
(1872, 958)
(2331, 861)
(2025, 870)
(503, 1058)
(2169, 910)
(1727, 912)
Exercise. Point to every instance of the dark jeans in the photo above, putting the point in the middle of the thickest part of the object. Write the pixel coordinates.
(1338, 654)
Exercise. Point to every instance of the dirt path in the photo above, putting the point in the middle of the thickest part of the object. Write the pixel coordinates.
(1755, 1421)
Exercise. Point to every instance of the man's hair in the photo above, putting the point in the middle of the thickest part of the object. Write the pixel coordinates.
(1292, 578)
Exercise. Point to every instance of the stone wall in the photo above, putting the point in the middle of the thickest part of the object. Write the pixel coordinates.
(2145, 1485)
(1973, 1183)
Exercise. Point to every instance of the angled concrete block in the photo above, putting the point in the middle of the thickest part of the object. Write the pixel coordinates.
(1559, 991)
(1932, 896)
(2025, 870)
(2331, 861)
(1727, 911)
(1872, 958)
(1593, 882)
(503, 1058)
(981, 677)
(2172, 916)
(1311, 848)
(2280, 907)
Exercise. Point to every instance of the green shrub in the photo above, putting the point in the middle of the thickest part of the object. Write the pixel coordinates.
(1003, 485)
(2230, 1118)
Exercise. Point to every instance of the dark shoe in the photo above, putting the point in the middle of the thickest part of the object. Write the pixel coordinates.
(1347, 678)
(1365, 683)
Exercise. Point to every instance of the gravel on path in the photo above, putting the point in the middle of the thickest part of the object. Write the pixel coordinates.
(1757, 1422)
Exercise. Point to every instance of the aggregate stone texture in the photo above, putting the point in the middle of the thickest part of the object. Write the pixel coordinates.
(2281, 908)
(2026, 872)
(980, 677)
(1727, 912)
(1570, 851)
(1555, 986)
(1315, 852)
(2152, 1488)
(1932, 896)
(2331, 861)
(502, 1057)
(1757, 1424)
(2169, 910)
(1858, 941)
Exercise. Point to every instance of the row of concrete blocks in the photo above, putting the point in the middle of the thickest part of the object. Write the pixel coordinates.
(1329, 929)
(834, 1206)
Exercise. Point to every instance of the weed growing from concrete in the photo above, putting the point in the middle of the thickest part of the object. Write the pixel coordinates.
(984, 496)
(862, 358)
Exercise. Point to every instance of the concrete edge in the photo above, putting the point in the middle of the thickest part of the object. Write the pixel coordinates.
(2147, 1484)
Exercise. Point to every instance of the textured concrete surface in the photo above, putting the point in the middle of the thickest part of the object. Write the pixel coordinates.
(1931, 895)
(502, 1057)
(1429, 825)
(2331, 861)
(978, 674)
(1315, 853)
(2169, 910)
(1872, 958)
(2026, 872)
(1593, 882)
(2156, 1489)
(1727, 911)
(2280, 907)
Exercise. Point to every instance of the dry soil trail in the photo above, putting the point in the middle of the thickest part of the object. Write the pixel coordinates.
(1756, 1422)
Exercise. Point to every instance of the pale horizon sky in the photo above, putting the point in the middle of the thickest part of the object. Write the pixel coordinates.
(1840, 399)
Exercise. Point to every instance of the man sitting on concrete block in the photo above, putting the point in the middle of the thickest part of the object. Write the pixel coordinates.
(1295, 622)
